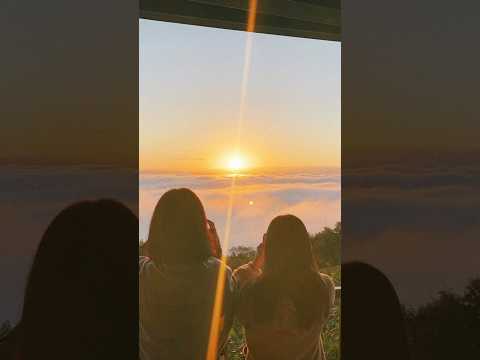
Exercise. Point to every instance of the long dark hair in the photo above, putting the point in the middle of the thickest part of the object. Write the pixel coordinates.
(178, 229)
(80, 296)
(290, 271)
(374, 326)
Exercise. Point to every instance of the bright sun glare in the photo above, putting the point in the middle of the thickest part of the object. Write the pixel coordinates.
(236, 163)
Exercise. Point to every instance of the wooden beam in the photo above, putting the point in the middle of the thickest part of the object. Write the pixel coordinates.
(233, 14)
(285, 8)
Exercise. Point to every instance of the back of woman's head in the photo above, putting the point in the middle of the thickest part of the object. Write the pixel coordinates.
(288, 249)
(80, 296)
(178, 229)
(373, 325)
(289, 272)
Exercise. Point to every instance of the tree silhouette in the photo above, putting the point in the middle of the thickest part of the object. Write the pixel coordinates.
(448, 327)
(326, 246)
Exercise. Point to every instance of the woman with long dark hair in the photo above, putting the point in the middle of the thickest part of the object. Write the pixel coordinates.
(178, 281)
(286, 302)
(374, 326)
(80, 300)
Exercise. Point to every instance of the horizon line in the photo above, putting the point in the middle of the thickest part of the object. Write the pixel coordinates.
(251, 171)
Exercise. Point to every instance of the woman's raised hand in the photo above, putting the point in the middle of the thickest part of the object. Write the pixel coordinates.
(214, 239)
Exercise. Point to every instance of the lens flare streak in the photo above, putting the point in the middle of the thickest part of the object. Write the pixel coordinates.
(216, 322)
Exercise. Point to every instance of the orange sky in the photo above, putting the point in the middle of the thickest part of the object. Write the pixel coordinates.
(190, 99)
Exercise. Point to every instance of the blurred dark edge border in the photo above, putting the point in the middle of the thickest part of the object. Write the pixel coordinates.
(410, 166)
(69, 125)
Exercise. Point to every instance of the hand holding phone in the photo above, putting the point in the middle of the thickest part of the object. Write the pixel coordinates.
(259, 260)
(214, 239)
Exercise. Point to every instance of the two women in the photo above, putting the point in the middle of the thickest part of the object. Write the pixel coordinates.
(281, 298)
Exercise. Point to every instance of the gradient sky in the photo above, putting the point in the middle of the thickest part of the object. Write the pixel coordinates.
(190, 82)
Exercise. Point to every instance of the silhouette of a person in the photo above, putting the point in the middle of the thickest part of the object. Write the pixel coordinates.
(80, 300)
(372, 321)
(284, 300)
(178, 281)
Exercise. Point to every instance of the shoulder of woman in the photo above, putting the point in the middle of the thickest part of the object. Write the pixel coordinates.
(213, 266)
(244, 302)
(327, 279)
(146, 266)
(215, 263)
(142, 261)
(328, 285)
(245, 274)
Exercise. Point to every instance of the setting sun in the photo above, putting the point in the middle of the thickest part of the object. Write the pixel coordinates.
(236, 162)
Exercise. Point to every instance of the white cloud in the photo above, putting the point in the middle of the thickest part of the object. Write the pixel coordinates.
(314, 196)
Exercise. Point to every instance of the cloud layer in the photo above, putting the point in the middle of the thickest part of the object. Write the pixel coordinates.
(419, 224)
(314, 196)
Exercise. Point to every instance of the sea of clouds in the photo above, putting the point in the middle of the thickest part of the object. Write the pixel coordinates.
(419, 224)
(311, 194)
